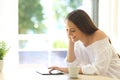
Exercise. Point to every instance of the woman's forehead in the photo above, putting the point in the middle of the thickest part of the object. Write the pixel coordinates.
(69, 24)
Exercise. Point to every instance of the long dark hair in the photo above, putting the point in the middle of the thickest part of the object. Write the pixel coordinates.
(81, 19)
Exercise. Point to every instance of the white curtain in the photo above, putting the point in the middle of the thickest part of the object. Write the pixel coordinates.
(9, 31)
(109, 19)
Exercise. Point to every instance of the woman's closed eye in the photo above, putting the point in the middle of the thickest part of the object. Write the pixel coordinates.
(72, 30)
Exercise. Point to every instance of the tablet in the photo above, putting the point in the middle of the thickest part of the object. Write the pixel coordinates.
(46, 72)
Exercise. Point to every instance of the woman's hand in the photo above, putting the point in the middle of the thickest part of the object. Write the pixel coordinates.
(53, 68)
(58, 68)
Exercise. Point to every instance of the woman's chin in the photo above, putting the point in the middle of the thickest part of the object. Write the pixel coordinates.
(74, 40)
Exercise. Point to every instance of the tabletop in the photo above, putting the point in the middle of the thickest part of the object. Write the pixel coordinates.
(31, 74)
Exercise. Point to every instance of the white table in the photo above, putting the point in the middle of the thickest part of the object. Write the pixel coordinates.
(25, 73)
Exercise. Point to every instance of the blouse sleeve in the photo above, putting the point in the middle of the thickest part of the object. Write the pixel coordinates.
(80, 54)
(76, 61)
(102, 52)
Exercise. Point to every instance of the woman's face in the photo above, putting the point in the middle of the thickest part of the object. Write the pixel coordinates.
(73, 32)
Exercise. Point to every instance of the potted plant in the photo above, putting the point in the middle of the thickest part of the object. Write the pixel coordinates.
(3, 51)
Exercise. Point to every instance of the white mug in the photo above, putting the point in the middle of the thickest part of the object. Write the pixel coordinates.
(73, 71)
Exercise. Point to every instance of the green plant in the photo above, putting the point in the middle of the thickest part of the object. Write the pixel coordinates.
(3, 49)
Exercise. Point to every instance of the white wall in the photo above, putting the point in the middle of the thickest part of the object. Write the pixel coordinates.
(109, 19)
(9, 30)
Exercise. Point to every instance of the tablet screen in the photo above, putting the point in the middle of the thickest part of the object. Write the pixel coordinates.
(46, 72)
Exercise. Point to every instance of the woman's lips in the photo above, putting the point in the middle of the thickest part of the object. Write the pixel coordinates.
(73, 37)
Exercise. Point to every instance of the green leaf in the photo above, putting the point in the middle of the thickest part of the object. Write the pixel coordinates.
(3, 49)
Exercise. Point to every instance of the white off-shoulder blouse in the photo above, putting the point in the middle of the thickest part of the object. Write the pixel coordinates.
(98, 58)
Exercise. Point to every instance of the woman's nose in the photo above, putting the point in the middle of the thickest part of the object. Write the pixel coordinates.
(69, 32)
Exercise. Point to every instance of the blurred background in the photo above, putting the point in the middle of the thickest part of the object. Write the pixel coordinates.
(35, 29)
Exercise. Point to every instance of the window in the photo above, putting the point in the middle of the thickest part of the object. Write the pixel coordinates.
(42, 35)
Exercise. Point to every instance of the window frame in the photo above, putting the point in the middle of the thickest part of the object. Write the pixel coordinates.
(95, 10)
(94, 15)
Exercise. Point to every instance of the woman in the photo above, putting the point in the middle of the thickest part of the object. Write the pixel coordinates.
(89, 47)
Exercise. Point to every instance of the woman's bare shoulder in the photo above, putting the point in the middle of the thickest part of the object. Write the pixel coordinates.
(99, 35)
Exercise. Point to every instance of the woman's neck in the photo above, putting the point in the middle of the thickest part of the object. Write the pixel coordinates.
(87, 40)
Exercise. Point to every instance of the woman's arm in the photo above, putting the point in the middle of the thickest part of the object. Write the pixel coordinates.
(63, 69)
(70, 54)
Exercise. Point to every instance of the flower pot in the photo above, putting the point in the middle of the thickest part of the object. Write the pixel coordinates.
(1, 65)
